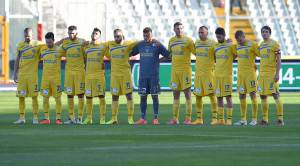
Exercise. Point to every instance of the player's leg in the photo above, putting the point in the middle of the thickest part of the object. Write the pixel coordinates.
(71, 119)
(229, 110)
(33, 92)
(199, 111)
(70, 91)
(46, 93)
(143, 92)
(102, 109)
(155, 108)
(188, 106)
(265, 109)
(130, 108)
(115, 88)
(89, 110)
(79, 83)
(176, 104)
(214, 112)
(279, 109)
(221, 120)
(58, 109)
(21, 94)
(254, 108)
(243, 109)
(127, 89)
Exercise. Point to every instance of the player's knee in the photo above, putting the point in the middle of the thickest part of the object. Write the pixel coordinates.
(80, 95)
(129, 96)
(242, 96)
(263, 97)
(275, 96)
(115, 98)
(70, 96)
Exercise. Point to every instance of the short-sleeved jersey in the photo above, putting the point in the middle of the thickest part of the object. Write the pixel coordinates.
(51, 58)
(205, 60)
(246, 55)
(149, 58)
(180, 50)
(94, 54)
(119, 55)
(29, 58)
(268, 57)
(224, 53)
(72, 52)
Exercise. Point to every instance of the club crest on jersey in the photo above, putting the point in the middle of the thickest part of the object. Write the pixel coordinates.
(206, 49)
(268, 50)
(246, 51)
(98, 54)
(101, 46)
(225, 50)
(122, 50)
(210, 85)
(33, 51)
(182, 47)
(78, 49)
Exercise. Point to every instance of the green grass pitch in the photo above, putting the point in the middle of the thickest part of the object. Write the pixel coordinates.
(125, 144)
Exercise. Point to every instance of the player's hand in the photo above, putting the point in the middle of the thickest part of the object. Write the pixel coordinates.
(15, 78)
(228, 40)
(276, 78)
(156, 42)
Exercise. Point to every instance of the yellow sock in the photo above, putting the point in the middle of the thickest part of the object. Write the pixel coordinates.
(130, 109)
(102, 106)
(243, 108)
(188, 109)
(115, 110)
(46, 107)
(254, 109)
(220, 113)
(213, 105)
(89, 108)
(176, 109)
(199, 106)
(71, 108)
(229, 113)
(80, 107)
(279, 108)
(265, 109)
(35, 107)
(22, 107)
(58, 107)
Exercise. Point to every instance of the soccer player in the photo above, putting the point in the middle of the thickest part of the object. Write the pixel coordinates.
(121, 83)
(74, 73)
(204, 84)
(51, 54)
(246, 82)
(225, 53)
(149, 51)
(270, 63)
(26, 75)
(180, 48)
(94, 76)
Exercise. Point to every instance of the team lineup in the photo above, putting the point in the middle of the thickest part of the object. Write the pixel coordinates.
(84, 75)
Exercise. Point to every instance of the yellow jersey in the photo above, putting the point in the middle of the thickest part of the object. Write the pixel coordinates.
(51, 58)
(29, 58)
(246, 55)
(72, 51)
(180, 50)
(94, 53)
(268, 57)
(224, 54)
(119, 55)
(205, 60)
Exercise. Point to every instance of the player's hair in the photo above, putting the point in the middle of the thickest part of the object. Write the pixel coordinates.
(220, 31)
(238, 34)
(119, 30)
(177, 24)
(203, 27)
(147, 30)
(97, 30)
(49, 35)
(27, 29)
(72, 27)
(266, 27)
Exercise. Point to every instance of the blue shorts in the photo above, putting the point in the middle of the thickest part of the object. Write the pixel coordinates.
(149, 86)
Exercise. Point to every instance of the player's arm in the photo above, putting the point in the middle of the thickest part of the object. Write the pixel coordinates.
(60, 42)
(134, 51)
(16, 66)
(234, 52)
(106, 50)
(165, 53)
(278, 64)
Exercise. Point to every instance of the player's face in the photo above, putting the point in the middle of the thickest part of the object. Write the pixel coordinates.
(118, 37)
(220, 38)
(241, 39)
(72, 34)
(202, 33)
(178, 30)
(265, 34)
(28, 35)
(147, 36)
(50, 43)
(95, 35)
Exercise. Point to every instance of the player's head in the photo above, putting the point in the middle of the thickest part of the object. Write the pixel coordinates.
(118, 36)
(178, 29)
(220, 34)
(49, 37)
(28, 34)
(72, 32)
(240, 37)
(147, 34)
(266, 32)
(96, 34)
(203, 32)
